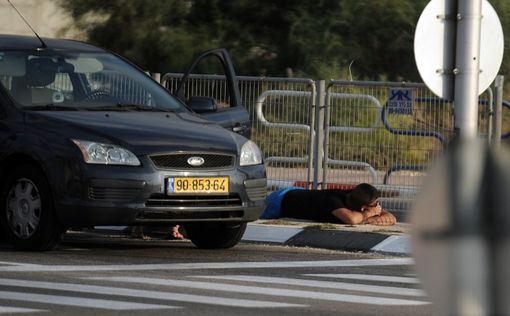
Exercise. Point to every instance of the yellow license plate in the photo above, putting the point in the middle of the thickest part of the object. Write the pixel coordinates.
(205, 185)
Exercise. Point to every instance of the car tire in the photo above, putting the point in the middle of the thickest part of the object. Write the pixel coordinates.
(215, 235)
(27, 215)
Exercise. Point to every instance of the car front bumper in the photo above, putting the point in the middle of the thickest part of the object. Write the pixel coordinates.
(118, 195)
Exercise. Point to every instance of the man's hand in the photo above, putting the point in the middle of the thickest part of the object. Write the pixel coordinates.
(377, 209)
(371, 212)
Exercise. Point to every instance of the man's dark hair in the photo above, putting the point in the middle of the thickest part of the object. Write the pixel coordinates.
(362, 194)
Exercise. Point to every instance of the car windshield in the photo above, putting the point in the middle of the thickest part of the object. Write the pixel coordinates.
(56, 80)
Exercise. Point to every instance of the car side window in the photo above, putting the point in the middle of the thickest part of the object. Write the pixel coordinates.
(209, 80)
(12, 66)
(43, 81)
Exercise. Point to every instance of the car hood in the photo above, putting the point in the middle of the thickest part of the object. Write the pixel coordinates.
(142, 132)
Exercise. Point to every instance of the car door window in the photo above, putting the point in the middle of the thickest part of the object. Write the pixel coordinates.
(210, 75)
(212, 82)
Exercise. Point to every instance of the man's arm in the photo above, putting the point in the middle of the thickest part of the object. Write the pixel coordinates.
(348, 217)
(373, 216)
(384, 219)
(354, 218)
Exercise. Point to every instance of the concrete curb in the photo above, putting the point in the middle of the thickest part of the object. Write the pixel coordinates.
(364, 238)
(352, 239)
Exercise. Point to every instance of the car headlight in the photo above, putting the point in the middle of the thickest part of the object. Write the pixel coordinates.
(106, 154)
(250, 154)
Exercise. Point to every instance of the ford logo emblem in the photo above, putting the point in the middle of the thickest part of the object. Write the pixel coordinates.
(195, 161)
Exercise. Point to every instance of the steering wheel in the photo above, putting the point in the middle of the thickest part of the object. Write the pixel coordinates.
(99, 95)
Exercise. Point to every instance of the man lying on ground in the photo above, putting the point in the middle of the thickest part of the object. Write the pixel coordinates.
(357, 206)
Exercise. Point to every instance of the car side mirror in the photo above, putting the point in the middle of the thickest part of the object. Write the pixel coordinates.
(202, 104)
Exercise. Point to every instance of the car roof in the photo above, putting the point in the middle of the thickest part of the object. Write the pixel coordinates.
(31, 42)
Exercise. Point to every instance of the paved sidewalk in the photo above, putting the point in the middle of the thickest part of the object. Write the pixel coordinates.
(390, 239)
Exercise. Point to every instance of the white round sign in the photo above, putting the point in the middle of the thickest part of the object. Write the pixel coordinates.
(434, 44)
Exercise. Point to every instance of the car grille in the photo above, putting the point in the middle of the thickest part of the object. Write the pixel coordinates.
(113, 194)
(161, 200)
(180, 161)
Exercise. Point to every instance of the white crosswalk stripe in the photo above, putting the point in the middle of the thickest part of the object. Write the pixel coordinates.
(170, 296)
(18, 310)
(268, 291)
(208, 265)
(78, 301)
(366, 277)
(321, 284)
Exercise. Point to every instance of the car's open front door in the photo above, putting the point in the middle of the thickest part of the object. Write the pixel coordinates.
(210, 88)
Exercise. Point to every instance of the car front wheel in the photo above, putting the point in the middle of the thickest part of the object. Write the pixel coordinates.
(27, 217)
(215, 235)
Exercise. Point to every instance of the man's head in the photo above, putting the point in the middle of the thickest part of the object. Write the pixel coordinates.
(363, 195)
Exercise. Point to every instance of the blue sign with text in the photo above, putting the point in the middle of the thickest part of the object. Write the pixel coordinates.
(400, 101)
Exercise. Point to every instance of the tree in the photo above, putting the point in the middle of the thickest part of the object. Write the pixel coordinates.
(153, 34)
(318, 39)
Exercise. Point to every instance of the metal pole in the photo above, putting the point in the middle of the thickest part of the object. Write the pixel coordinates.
(491, 111)
(311, 184)
(318, 150)
(325, 145)
(467, 68)
(498, 108)
(469, 288)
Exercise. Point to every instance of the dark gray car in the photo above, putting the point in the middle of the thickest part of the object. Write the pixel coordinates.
(88, 139)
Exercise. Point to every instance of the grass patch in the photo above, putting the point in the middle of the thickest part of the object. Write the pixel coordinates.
(323, 226)
(280, 222)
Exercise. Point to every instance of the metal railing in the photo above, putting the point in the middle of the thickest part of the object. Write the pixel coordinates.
(336, 134)
(394, 149)
(282, 116)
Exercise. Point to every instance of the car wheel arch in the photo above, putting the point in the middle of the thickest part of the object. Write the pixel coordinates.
(18, 159)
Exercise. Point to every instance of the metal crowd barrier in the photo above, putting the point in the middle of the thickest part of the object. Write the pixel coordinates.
(342, 133)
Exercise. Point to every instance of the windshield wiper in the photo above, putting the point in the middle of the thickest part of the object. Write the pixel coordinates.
(51, 107)
(129, 107)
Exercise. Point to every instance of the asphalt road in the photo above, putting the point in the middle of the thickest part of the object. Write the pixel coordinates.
(109, 275)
